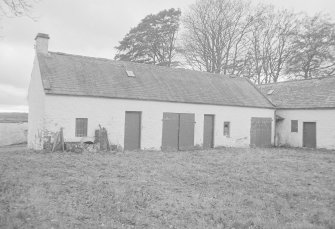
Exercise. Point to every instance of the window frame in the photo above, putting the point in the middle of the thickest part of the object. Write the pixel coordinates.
(294, 126)
(226, 134)
(81, 131)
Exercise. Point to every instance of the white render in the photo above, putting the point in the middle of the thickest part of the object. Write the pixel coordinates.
(61, 111)
(42, 44)
(36, 97)
(325, 127)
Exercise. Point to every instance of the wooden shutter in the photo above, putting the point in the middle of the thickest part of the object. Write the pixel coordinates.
(81, 127)
(186, 131)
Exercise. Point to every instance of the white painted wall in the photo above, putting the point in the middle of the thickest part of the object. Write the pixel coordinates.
(13, 133)
(36, 101)
(325, 127)
(61, 111)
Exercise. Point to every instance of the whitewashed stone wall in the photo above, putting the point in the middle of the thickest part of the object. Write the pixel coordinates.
(61, 111)
(325, 127)
(36, 99)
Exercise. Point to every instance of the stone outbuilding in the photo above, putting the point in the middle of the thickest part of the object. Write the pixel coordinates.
(142, 106)
(305, 111)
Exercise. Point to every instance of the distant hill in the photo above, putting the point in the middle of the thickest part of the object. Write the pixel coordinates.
(13, 117)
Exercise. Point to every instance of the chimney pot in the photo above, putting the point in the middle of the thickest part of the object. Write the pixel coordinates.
(42, 42)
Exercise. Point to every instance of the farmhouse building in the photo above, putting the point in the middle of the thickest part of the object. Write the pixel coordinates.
(305, 112)
(142, 106)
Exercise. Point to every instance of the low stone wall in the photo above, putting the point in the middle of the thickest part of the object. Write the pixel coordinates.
(13, 133)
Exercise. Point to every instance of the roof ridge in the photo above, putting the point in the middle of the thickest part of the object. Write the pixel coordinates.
(297, 80)
(81, 56)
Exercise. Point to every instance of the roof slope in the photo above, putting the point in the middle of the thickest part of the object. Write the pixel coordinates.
(302, 94)
(67, 74)
(13, 117)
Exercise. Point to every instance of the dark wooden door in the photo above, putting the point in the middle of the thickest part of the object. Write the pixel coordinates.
(186, 131)
(170, 131)
(309, 135)
(178, 131)
(208, 131)
(260, 132)
(132, 131)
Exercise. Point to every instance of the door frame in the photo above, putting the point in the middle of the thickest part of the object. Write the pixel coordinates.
(303, 137)
(213, 130)
(140, 128)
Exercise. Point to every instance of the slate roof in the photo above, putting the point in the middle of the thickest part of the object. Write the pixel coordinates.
(302, 94)
(66, 74)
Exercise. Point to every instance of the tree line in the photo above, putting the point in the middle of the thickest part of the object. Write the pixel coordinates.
(234, 37)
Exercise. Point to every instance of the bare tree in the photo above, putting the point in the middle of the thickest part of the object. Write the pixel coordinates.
(214, 32)
(270, 44)
(285, 26)
(279, 47)
(258, 42)
(313, 48)
(254, 57)
(10, 8)
(234, 37)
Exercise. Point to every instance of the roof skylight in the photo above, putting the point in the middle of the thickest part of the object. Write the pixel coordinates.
(130, 74)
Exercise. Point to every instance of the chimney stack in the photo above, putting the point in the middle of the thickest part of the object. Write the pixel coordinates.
(42, 41)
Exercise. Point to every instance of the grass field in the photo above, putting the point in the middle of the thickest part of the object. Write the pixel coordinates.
(13, 117)
(223, 188)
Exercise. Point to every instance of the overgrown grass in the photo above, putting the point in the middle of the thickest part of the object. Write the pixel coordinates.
(226, 188)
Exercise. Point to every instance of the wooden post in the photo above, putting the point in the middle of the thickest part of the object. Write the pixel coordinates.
(55, 142)
(62, 138)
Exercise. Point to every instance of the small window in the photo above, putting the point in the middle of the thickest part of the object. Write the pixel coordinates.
(130, 74)
(81, 127)
(226, 129)
(294, 125)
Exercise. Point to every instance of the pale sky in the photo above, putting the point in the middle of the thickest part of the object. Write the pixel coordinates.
(86, 27)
